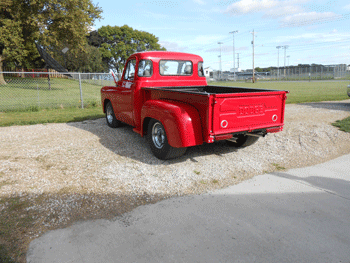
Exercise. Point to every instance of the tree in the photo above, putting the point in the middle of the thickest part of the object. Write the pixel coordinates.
(116, 44)
(50, 22)
(88, 59)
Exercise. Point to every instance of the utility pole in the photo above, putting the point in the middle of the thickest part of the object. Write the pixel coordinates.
(238, 60)
(278, 61)
(234, 58)
(220, 43)
(284, 72)
(253, 57)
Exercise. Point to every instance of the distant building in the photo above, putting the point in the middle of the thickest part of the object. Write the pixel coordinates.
(208, 72)
(237, 70)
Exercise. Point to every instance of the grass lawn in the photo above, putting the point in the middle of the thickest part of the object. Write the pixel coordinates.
(300, 91)
(19, 94)
(50, 116)
(31, 102)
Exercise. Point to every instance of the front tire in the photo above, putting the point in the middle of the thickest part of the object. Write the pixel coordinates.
(110, 117)
(158, 141)
(243, 141)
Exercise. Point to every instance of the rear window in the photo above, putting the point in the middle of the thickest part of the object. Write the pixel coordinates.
(175, 68)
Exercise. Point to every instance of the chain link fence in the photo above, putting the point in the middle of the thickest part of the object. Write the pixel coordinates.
(317, 72)
(34, 90)
(292, 73)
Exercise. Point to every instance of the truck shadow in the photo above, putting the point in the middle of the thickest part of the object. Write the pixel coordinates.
(124, 142)
(329, 105)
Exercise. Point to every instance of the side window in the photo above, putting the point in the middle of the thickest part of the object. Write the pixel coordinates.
(130, 70)
(200, 69)
(145, 68)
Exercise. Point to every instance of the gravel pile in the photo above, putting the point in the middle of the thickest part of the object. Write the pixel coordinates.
(87, 170)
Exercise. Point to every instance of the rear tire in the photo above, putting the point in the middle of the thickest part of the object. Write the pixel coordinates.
(158, 141)
(243, 141)
(110, 117)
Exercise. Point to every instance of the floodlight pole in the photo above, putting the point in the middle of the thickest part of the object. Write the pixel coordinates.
(234, 58)
(220, 43)
(278, 61)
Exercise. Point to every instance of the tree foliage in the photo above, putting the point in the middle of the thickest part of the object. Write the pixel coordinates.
(50, 22)
(116, 44)
(88, 59)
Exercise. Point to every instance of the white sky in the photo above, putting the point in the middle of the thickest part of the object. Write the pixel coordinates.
(314, 31)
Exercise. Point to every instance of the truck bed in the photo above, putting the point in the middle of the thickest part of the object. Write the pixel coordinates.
(229, 110)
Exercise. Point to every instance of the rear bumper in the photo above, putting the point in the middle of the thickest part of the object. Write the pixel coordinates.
(256, 133)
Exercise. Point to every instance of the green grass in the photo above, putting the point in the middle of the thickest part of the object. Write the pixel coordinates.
(50, 116)
(64, 93)
(19, 93)
(300, 91)
(343, 125)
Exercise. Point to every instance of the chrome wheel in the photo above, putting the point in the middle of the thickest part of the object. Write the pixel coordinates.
(110, 117)
(158, 135)
(158, 142)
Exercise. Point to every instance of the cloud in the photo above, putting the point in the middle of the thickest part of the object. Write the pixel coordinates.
(250, 6)
(172, 46)
(280, 11)
(347, 7)
(226, 49)
(302, 19)
(270, 8)
(201, 2)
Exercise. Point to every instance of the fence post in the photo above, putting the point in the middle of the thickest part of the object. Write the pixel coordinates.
(37, 92)
(81, 93)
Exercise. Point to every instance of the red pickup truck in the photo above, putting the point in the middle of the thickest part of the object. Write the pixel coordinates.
(165, 96)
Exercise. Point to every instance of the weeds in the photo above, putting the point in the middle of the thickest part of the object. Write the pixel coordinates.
(343, 125)
(278, 167)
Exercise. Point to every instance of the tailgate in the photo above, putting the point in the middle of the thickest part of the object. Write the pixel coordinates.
(247, 112)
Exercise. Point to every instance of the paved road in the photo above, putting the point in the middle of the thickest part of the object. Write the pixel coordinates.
(301, 215)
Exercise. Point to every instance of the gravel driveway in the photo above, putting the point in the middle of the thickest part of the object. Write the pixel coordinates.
(86, 170)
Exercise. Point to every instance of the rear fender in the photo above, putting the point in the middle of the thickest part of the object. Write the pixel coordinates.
(180, 120)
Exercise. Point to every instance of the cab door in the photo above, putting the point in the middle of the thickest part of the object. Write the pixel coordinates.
(123, 104)
(124, 94)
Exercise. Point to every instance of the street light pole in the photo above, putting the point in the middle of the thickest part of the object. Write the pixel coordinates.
(220, 43)
(253, 44)
(234, 58)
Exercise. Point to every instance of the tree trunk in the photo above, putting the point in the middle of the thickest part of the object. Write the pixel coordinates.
(2, 80)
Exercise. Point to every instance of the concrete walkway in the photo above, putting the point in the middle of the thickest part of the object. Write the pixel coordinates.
(301, 215)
